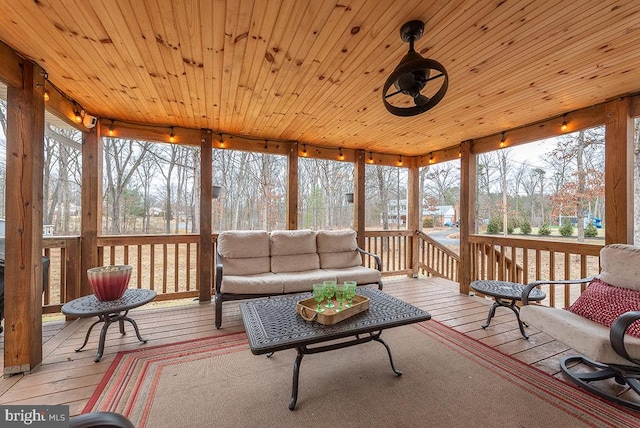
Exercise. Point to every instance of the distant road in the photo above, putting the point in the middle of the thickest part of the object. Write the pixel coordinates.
(442, 236)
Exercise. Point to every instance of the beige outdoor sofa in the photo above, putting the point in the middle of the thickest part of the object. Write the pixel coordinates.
(252, 263)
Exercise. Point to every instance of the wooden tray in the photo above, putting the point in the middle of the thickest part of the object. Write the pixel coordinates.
(307, 310)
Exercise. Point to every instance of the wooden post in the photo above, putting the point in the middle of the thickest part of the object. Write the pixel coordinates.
(358, 197)
(618, 173)
(414, 217)
(467, 213)
(292, 188)
(91, 218)
(23, 233)
(205, 254)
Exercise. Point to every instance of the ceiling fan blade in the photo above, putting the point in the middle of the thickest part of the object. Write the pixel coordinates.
(392, 94)
(421, 100)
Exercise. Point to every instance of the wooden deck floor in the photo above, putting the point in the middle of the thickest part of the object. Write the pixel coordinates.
(67, 377)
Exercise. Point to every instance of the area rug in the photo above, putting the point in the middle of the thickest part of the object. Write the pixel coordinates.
(449, 380)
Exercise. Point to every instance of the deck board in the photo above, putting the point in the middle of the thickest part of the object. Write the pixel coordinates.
(69, 377)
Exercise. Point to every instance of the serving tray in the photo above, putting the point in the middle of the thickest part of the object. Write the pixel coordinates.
(307, 310)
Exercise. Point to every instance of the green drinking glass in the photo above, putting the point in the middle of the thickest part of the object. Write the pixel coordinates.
(319, 291)
(350, 292)
(331, 289)
(340, 296)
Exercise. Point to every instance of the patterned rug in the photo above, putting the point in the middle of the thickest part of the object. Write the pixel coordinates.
(449, 380)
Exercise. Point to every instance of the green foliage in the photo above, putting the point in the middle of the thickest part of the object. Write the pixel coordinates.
(525, 227)
(544, 230)
(566, 229)
(590, 231)
(495, 225)
(428, 222)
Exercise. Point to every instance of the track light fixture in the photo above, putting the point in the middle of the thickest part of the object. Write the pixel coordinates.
(503, 142)
(172, 136)
(111, 129)
(564, 126)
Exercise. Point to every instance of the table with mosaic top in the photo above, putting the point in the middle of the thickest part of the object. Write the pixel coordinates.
(108, 313)
(272, 325)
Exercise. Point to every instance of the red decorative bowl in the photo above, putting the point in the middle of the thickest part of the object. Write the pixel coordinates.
(109, 282)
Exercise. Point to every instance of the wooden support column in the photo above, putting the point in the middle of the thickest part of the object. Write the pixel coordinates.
(618, 175)
(205, 254)
(414, 218)
(91, 218)
(467, 214)
(292, 188)
(23, 233)
(358, 197)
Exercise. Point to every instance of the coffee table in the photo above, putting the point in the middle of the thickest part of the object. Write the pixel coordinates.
(272, 325)
(504, 290)
(108, 313)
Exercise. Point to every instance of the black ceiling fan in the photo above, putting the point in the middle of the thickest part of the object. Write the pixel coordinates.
(412, 75)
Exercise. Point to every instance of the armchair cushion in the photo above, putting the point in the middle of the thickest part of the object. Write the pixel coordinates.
(620, 267)
(604, 303)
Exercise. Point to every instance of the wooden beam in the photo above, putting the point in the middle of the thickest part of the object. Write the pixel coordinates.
(468, 177)
(359, 197)
(162, 134)
(10, 66)
(23, 233)
(205, 254)
(91, 207)
(414, 217)
(618, 179)
(292, 187)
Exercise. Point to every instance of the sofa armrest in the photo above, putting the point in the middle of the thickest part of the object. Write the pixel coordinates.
(375, 257)
(617, 334)
(532, 285)
(219, 268)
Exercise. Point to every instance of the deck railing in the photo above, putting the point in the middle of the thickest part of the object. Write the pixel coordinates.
(525, 260)
(168, 264)
(394, 249)
(437, 260)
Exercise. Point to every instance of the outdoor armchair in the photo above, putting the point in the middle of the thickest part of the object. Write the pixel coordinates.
(600, 325)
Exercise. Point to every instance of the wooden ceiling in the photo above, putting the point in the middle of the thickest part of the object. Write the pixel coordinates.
(312, 70)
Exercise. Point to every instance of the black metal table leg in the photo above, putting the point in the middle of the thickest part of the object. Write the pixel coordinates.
(86, 338)
(135, 327)
(103, 336)
(296, 375)
(377, 338)
(492, 312)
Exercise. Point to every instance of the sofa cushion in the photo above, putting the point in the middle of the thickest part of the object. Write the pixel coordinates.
(246, 265)
(340, 260)
(579, 333)
(295, 282)
(243, 243)
(336, 241)
(620, 267)
(288, 242)
(359, 274)
(603, 303)
(295, 263)
(264, 283)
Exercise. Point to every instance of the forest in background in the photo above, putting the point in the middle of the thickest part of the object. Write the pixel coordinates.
(154, 188)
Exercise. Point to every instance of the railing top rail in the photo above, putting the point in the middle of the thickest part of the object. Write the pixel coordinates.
(397, 232)
(535, 244)
(441, 247)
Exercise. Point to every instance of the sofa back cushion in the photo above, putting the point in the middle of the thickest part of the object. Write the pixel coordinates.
(293, 251)
(620, 264)
(337, 249)
(244, 252)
